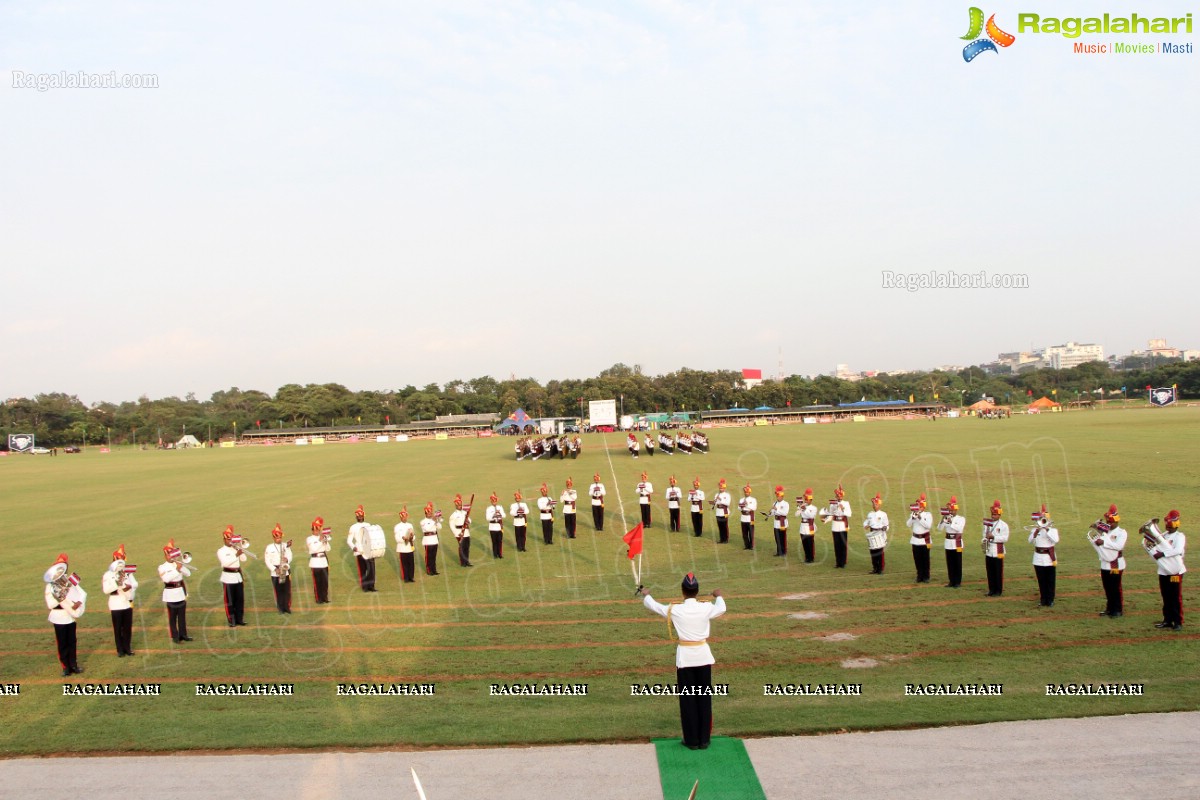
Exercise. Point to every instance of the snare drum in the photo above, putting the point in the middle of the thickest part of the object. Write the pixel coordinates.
(877, 540)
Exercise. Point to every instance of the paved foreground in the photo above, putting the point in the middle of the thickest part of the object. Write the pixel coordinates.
(1066, 759)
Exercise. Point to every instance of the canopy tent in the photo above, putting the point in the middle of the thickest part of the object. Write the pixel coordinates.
(982, 405)
(187, 440)
(518, 419)
(1044, 402)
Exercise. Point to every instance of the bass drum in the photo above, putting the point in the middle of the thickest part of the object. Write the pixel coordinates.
(376, 541)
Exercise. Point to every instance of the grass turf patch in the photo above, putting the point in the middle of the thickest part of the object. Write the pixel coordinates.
(723, 770)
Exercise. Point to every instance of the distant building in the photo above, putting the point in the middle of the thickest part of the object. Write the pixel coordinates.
(843, 373)
(1072, 354)
(1191, 355)
(1022, 360)
(751, 378)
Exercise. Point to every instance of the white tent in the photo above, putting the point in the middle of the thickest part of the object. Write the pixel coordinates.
(187, 440)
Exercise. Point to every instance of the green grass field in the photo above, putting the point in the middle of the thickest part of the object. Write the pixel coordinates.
(566, 613)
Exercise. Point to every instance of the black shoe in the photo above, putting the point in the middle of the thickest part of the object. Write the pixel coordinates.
(181, 638)
(1103, 614)
(704, 746)
(993, 594)
(232, 625)
(243, 624)
(128, 652)
(77, 670)
(1117, 614)
(120, 654)
(1175, 626)
(1163, 624)
(66, 673)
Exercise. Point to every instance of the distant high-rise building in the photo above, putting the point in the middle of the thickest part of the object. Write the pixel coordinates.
(1072, 354)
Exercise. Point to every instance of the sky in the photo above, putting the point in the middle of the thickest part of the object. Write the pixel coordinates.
(384, 194)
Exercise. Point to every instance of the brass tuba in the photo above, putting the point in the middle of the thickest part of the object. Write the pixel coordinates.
(1151, 536)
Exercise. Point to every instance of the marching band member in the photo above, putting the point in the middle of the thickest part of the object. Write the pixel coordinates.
(1110, 547)
(1169, 557)
(460, 526)
(807, 512)
(67, 602)
(1043, 537)
(779, 514)
(876, 525)
(632, 444)
(749, 505)
(673, 496)
(838, 517)
(429, 538)
(120, 586)
(952, 525)
(597, 492)
(920, 522)
(666, 444)
(359, 539)
(405, 546)
(318, 559)
(172, 573)
(569, 500)
(649, 444)
(278, 560)
(520, 516)
(495, 519)
(700, 442)
(546, 514)
(721, 502)
(689, 621)
(696, 503)
(684, 443)
(232, 557)
(995, 534)
(644, 491)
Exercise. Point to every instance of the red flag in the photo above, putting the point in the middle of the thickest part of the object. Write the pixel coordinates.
(634, 540)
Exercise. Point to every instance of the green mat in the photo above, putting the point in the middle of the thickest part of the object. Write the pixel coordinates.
(724, 770)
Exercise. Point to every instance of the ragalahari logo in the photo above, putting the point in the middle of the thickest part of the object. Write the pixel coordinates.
(995, 36)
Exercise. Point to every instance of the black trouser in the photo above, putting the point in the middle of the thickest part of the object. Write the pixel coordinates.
(283, 594)
(954, 567)
(645, 515)
(64, 637)
(673, 514)
(408, 566)
(431, 559)
(569, 522)
(366, 573)
(995, 574)
(1171, 589)
(695, 710)
(748, 535)
(1046, 578)
(122, 622)
(808, 541)
(840, 548)
(548, 531)
(722, 529)
(598, 517)
(519, 531)
(781, 541)
(177, 619)
(497, 543)
(464, 551)
(877, 561)
(235, 602)
(1110, 579)
(321, 583)
(921, 561)
(697, 523)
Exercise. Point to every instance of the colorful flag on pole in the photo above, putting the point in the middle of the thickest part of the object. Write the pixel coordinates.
(634, 540)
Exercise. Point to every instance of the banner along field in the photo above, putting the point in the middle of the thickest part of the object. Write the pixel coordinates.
(565, 613)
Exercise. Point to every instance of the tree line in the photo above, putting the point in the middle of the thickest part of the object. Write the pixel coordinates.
(58, 419)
